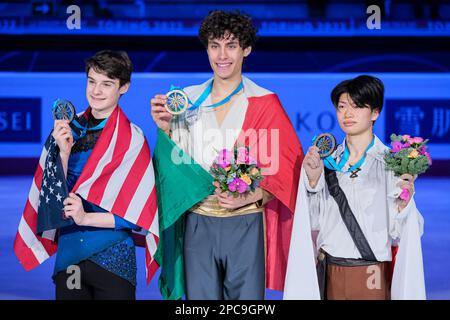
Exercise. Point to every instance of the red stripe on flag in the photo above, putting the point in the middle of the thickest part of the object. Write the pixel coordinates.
(151, 269)
(123, 142)
(38, 177)
(150, 262)
(149, 211)
(100, 148)
(50, 246)
(30, 217)
(25, 254)
(29, 214)
(132, 181)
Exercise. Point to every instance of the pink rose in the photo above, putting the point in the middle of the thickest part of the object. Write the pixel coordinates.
(406, 137)
(243, 157)
(416, 140)
(404, 195)
(396, 146)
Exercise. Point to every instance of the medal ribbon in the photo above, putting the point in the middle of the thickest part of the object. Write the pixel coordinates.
(331, 164)
(84, 129)
(205, 95)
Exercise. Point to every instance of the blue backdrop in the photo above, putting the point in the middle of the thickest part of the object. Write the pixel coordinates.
(416, 104)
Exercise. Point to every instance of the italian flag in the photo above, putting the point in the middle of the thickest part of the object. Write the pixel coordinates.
(179, 186)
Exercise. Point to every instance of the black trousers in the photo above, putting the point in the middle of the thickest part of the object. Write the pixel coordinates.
(96, 283)
(224, 257)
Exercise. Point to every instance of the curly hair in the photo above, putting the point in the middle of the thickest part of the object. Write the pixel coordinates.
(221, 24)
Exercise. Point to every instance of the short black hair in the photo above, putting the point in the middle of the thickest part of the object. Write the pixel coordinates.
(113, 64)
(221, 24)
(365, 91)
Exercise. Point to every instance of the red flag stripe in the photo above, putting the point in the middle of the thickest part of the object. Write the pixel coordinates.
(33, 196)
(141, 195)
(154, 227)
(151, 265)
(24, 240)
(121, 146)
(106, 141)
(29, 217)
(93, 170)
(149, 215)
(32, 241)
(119, 179)
(151, 270)
(42, 159)
(120, 143)
(24, 253)
(132, 181)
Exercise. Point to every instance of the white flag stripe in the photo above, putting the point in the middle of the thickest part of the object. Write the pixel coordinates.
(32, 241)
(141, 195)
(154, 227)
(49, 234)
(116, 178)
(33, 196)
(151, 244)
(84, 188)
(43, 158)
(119, 175)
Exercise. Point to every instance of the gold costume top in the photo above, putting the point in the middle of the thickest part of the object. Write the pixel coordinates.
(210, 207)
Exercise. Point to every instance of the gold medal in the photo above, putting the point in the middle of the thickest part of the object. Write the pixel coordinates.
(177, 101)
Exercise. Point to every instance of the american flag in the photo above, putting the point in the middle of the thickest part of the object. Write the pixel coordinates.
(53, 191)
(117, 177)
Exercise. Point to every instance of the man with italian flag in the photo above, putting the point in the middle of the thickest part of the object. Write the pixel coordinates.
(214, 245)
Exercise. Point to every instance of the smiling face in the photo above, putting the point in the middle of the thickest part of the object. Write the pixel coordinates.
(352, 119)
(226, 57)
(103, 93)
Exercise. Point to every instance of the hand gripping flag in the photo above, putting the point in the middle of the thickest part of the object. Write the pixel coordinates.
(117, 177)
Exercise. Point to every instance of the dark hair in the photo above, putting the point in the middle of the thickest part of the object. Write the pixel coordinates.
(113, 64)
(219, 24)
(365, 91)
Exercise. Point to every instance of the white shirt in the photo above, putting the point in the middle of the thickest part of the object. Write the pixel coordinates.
(371, 196)
(204, 138)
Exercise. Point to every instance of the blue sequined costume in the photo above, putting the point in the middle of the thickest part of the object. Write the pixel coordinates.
(111, 248)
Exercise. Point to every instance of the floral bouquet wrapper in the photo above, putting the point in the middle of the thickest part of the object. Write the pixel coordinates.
(236, 171)
(408, 155)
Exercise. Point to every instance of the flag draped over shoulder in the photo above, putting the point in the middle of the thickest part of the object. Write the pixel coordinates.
(117, 177)
(180, 184)
(276, 141)
(272, 140)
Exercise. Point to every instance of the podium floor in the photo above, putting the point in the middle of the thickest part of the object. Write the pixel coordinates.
(432, 199)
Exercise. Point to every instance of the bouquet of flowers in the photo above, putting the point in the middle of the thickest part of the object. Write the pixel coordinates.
(236, 171)
(409, 155)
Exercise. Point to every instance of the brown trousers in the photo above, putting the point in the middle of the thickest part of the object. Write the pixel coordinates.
(358, 282)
